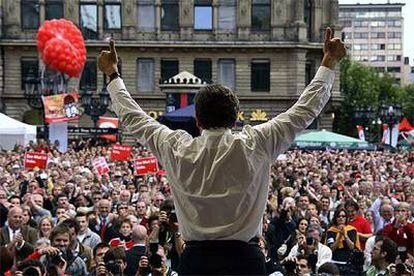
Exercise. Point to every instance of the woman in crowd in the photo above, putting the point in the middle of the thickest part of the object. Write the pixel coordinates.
(45, 227)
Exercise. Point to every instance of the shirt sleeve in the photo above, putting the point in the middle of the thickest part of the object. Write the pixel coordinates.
(276, 135)
(148, 131)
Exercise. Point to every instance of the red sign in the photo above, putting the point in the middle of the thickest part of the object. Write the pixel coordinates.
(108, 122)
(120, 152)
(100, 165)
(35, 159)
(146, 165)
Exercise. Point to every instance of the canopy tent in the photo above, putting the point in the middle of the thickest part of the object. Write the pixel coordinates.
(13, 132)
(183, 118)
(321, 139)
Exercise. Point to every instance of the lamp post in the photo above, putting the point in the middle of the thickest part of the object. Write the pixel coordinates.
(391, 115)
(95, 107)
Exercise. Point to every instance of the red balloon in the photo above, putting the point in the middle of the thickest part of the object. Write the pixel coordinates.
(61, 46)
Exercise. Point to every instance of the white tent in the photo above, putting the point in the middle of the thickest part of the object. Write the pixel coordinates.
(13, 132)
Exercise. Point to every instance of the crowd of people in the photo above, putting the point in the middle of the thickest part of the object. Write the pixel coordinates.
(328, 213)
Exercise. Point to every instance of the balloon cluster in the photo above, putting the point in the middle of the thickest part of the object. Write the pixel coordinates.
(61, 46)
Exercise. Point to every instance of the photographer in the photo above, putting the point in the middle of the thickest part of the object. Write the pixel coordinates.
(384, 255)
(312, 245)
(60, 256)
(155, 264)
(114, 263)
(301, 265)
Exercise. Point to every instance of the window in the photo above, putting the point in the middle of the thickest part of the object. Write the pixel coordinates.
(378, 58)
(358, 47)
(378, 35)
(394, 69)
(227, 73)
(360, 35)
(394, 35)
(261, 15)
(29, 68)
(146, 15)
(203, 69)
(377, 24)
(361, 23)
(307, 18)
(112, 16)
(227, 15)
(54, 9)
(260, 75)
(203, 15)
(88, 79)
(169, 68)
(145, 75)
(394, 46)
(30, 14)
(169, 15)
(380, 69)
(89, 20)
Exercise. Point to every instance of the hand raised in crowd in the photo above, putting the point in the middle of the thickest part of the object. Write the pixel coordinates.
(49, 250)
(108, 60)
(163, 217)
(334, 49)
(18, 239)
(143, 265)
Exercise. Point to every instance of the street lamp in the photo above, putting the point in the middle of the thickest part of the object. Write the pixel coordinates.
(95, 107)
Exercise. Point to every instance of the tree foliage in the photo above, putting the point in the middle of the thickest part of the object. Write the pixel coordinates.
(362, 87)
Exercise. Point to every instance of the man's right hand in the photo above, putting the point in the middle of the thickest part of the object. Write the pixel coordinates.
(108, 60)
(334, 49)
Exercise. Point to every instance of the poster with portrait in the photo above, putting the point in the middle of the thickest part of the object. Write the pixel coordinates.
(61, 108)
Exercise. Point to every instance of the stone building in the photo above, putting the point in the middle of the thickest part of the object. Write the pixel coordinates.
(266, 50)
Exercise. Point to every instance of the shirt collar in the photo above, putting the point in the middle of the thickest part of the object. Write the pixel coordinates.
(215, 131)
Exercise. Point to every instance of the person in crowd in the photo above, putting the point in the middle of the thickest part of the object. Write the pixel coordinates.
(104, 224)
(384, 255)
(86, 236)
(269, 140)
(401, 231)
(361, 224)
(341, 238)
(114, 263)
(139, 248)
(45, 227)
(98, 254)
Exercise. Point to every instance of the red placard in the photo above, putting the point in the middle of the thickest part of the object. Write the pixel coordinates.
(35, 159)
(146, 165)
(120, 152)
(100, 165)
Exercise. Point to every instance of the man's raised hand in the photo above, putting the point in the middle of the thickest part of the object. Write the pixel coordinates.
(334, 49)
(108, 60)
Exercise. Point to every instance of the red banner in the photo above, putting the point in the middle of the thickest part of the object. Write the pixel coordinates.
(108, 122)
(35, 159)
(61, 108)
(146, 165)
(121, 152)
(100, 165)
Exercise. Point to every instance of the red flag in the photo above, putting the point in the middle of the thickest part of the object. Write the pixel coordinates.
(385, 134)
(35, 159)
(405, 125)
(108, 122)
(361, 134)
(146, 165)
(121, 152)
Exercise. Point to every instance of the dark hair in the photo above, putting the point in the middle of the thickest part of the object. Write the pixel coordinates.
(390, 247)
(351, 203)
(22, 266)
(115, 253)
(62, 195)
(336, 214)
(329, 268)
(98, 246)
(216, 106)
(72, 223)
(82, 214)
(60, 229)
(14, 196)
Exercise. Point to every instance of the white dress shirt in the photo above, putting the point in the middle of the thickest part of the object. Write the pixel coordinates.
(220, 180)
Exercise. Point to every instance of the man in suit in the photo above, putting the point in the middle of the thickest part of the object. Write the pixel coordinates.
(104, 224)
(17, 236)
(133, 255)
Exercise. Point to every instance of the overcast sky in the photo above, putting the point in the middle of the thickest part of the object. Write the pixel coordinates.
(408, 14)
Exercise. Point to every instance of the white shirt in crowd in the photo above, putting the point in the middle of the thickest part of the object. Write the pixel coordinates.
(220, 180)
(324, 254)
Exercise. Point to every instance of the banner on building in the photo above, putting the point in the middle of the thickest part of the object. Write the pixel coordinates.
(35, 160)
(108, 122)
(61, 108)
(146, 165)
(121, 152)
(100, 165)
(361, 134)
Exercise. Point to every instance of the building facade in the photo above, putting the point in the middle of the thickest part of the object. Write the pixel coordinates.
(266, 50)
(374, 33)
